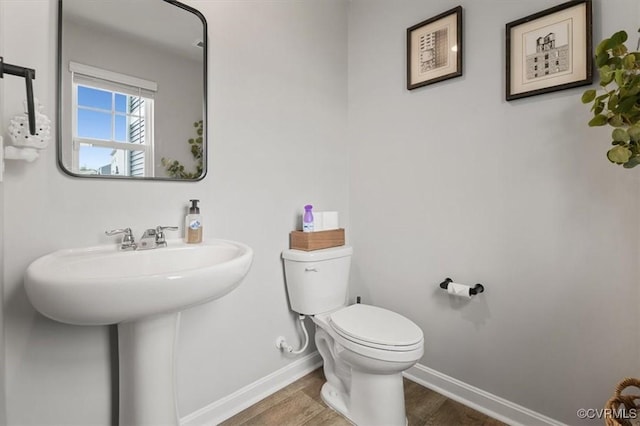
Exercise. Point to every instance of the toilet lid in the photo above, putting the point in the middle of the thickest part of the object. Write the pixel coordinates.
(370, 324)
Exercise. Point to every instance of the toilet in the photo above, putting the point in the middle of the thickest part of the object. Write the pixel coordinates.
(365, 349)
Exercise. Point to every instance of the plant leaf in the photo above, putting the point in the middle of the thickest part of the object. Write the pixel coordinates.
(634, 90)
(619, 37)
(588, 96)
(598, 120)
(598, 107)
(626, 104)
(619, 75)
(619, 154)
(634, 133)
(606, 76)
(616, 121)
(629, 61)
(615, 62)
(619, 50)
(602, 58)
(620, 135)
(602, 46)
(633, 161)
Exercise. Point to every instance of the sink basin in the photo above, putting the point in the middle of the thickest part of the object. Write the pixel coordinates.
(102, 285)
(143, 293)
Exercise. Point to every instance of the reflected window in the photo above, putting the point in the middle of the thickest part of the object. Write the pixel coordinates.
(113, 124)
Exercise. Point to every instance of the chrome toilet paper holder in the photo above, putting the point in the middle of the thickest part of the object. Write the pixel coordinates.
(478, 288)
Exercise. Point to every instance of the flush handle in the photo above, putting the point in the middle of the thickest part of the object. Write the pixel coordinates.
(310, 269)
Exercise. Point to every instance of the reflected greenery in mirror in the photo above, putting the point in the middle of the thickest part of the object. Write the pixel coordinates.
(175, 169)
(132, 79)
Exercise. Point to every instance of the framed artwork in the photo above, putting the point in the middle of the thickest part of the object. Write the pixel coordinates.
(550, 50)
(434, 49)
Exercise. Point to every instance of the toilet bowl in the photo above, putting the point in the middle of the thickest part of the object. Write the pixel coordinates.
(365, 348)
(364, 361)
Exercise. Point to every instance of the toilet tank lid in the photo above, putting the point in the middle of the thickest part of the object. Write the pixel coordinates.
(317, 255)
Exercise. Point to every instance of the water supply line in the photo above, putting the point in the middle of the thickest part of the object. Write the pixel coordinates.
(282, 344)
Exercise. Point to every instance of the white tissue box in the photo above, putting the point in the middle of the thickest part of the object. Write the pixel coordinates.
(325, 221)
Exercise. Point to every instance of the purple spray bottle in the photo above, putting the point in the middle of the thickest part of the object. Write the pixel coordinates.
(307, 219)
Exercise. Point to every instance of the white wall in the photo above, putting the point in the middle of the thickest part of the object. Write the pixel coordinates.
(3, 417)
(278, 118)
(446, 180)
(278, 104)
(450, 180)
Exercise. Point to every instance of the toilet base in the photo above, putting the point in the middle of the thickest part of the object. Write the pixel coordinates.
(334, 400)
(373, 402)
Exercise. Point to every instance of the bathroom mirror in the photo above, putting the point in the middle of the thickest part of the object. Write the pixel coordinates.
(132, 84)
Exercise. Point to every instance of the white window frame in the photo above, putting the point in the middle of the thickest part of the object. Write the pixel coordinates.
(89, 76)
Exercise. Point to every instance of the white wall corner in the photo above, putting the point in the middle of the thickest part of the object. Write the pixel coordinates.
(3, 403)
(245, 397)
(478, 399)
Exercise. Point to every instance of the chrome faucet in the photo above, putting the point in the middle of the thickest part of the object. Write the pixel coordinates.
(160, 239)
(154, 238)
(128, 242)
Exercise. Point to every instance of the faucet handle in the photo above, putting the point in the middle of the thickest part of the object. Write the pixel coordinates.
(160, 239)
(127, 239)
(125, 231)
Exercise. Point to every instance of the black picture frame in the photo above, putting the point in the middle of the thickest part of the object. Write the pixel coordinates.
(550, 50)
(434, 49)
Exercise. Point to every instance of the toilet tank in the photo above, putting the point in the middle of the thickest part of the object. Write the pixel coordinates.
(318, 280)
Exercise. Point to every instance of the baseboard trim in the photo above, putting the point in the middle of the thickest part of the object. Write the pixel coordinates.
(478, 399)
(245, 397)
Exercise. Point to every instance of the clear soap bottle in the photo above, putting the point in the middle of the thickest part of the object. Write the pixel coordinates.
(193, 224)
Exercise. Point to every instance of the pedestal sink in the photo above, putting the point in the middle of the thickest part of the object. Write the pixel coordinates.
(143, 293)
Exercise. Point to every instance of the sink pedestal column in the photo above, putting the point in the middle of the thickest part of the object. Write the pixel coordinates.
(146, 350)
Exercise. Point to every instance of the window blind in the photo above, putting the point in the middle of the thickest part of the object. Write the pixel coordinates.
(113, 81)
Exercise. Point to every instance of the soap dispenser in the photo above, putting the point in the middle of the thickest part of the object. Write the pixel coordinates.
(193, 224)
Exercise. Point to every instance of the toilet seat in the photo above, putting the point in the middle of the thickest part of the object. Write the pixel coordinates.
(376, 328)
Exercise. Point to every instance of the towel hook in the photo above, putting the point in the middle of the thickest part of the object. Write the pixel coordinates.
(29, 75)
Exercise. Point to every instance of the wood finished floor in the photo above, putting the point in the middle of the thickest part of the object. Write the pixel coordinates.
(300, 404)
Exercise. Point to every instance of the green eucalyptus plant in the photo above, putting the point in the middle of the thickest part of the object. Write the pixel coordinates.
(175, 169)
(619, 104)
